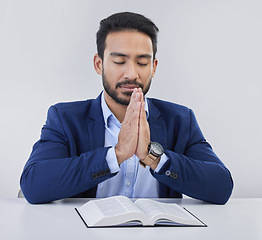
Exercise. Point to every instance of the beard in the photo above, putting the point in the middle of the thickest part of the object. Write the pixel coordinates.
(111, 91)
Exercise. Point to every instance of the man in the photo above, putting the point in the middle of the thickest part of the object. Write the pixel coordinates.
(123, 143)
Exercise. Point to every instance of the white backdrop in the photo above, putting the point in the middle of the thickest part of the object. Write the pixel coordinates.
(210, 58)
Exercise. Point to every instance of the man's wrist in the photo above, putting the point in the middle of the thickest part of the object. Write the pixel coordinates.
(112, 160)
(154, 164)
(155, 151)
(119, 156)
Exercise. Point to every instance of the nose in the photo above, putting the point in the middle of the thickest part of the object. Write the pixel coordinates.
(131, 72)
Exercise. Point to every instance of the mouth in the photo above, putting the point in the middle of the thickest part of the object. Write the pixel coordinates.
(128, 87)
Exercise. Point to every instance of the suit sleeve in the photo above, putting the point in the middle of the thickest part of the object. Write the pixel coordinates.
(51, 174)
(197, 172)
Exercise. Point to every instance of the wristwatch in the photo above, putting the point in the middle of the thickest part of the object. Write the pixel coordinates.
(155, 151)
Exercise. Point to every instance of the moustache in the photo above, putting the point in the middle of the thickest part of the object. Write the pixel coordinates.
(131, 82)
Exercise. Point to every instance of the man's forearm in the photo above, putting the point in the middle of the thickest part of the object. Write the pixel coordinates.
(204, 180)
(46, 180)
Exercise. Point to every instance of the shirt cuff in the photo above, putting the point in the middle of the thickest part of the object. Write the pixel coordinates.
(112, 160)
(162, 161)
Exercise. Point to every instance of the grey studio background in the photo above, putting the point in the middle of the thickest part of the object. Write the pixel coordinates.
(209, 56)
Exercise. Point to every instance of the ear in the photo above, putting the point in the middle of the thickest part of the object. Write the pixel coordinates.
(98, 64)
(154, 67)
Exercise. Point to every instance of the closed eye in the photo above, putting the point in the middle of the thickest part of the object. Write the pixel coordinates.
(142, 64)
(119, 62)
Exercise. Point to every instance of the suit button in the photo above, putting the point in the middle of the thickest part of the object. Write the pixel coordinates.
(107, 171)
(98, 174)
(94, 176)
(173, 175)
(103, 173)
(168, 173)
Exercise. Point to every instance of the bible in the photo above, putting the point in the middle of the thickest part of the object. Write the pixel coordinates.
(121, 211)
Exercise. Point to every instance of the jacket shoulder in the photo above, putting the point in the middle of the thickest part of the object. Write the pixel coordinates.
(166, 107)
(64, 106)
(71, 111)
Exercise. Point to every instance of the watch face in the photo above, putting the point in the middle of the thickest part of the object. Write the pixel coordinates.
(156, 148)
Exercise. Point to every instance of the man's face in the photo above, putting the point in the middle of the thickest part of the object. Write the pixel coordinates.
(127, 64)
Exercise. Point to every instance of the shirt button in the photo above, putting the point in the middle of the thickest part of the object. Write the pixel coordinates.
(128, 184)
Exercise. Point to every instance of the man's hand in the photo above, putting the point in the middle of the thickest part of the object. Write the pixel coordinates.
(134, 135)
(143, 132)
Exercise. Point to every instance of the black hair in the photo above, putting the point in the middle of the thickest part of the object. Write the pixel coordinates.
(125, 21)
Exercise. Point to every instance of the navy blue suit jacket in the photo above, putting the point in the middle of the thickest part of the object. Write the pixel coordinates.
(69, 159)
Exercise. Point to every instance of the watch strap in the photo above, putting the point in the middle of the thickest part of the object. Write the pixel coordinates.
(150, 158)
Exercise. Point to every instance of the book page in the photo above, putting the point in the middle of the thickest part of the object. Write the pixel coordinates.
(112, 211)
(116, 206)
(149, 207)
(166, 212)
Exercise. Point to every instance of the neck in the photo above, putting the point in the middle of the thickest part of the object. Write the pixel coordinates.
(117, 109)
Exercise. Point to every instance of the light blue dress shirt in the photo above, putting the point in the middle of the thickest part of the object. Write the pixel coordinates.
(132, 179)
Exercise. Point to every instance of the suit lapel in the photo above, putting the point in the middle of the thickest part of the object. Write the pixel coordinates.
(158, 131)
(96, 125)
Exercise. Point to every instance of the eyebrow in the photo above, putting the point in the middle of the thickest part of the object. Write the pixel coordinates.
(117, 54)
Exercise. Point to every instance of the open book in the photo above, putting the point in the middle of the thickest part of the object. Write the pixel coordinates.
(121, 211)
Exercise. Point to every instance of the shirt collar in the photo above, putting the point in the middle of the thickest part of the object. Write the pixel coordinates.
(107, 112)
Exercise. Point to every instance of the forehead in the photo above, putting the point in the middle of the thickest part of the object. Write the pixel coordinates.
(128, 42)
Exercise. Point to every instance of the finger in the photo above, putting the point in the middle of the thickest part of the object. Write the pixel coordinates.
(132, 107)
(143, 111)
(134, 98)
(141, 95)
(144, 134)
(132, 113)
(128, 135)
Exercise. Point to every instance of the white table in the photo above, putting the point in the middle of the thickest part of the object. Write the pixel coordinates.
(238, 219)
